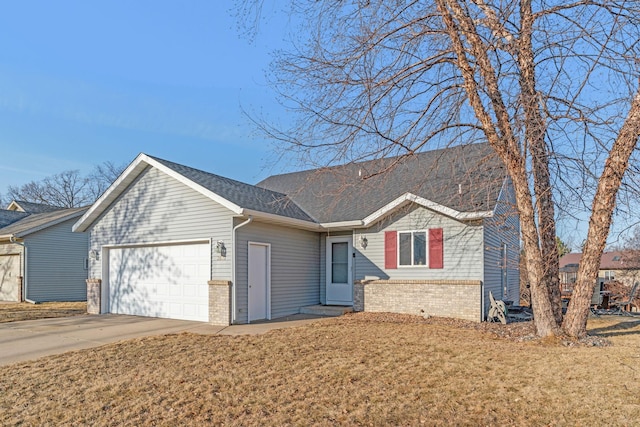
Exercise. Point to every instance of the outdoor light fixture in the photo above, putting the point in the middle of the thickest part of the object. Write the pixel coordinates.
(363, 242)
(221, 249)
(94, 255)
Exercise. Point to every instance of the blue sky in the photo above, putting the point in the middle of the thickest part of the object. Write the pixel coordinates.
(86, 82)
(82, 83)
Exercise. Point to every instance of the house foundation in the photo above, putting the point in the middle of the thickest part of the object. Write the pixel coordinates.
(460, 299)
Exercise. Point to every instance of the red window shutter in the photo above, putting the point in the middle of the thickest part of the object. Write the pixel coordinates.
(436, 248)
(390, 249)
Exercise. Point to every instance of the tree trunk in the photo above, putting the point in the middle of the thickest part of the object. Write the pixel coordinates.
(535, 131)
(500, 135)
(575, 322)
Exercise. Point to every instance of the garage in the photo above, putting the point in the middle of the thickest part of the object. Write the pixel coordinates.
(168, 281)
(9, 273)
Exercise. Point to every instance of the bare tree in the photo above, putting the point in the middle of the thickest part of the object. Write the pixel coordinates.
(553, 87)
(102, 177)
(68, 189)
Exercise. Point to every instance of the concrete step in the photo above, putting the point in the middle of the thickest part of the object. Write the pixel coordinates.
(326, 310)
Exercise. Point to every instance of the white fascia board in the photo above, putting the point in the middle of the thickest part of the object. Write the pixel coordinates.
(400, 201)
(14, 206)
(114, 190)
(342, 224)
(200, 189)
(283, 220)
(448, 211)
(412, 198)
(130, 173)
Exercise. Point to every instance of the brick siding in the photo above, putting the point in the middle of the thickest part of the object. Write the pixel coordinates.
(220, 302)
(94, 296)
(460, 299)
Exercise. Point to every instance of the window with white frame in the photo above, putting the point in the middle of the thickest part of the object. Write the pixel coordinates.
(412, 248)
(609, 275)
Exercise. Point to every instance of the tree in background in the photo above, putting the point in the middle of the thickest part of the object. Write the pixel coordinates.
(552, 86)
(68, 189)
(563, 248)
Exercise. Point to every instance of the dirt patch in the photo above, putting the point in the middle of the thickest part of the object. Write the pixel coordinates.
(26, 311)
(355, 370)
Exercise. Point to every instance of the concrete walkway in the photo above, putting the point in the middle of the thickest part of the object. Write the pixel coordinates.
(31, 339)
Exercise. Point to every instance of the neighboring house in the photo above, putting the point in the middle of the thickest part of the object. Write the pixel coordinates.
(40, 258)
(623, 266)
(432, 235)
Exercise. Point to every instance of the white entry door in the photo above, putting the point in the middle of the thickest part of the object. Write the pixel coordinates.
(259, 292)
(339, 278)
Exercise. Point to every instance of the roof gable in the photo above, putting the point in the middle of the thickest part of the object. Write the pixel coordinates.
(237, 196)
(32, 208)
(463, 179)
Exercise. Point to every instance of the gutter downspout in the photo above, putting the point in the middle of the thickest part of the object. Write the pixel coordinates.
(13, 240)
(233, 268)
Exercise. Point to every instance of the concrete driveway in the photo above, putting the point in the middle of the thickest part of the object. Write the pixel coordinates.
(31, 339)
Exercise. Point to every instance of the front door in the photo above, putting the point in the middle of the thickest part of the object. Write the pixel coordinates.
(259, 273)
(339, 278)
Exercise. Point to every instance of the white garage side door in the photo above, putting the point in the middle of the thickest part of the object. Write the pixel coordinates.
(9, 272)
(161, 281)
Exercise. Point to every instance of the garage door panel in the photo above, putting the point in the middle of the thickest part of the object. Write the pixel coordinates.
(9, 272)
(160, 281)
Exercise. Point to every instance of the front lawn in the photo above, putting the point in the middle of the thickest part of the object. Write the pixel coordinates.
(353, 370)
(27, 311)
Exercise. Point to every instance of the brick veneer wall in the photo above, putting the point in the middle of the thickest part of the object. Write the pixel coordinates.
(94, 296)
(461, 299)
(220, 302)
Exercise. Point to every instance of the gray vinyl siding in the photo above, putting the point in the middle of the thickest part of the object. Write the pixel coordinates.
(56, 264)
(295, 271)
(503, 227)
(157, 208)
(463, 255)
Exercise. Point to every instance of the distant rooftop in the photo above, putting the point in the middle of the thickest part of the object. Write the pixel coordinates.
(30, 207)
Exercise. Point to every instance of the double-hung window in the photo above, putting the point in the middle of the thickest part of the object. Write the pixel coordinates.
(412, 248)
(420, 248)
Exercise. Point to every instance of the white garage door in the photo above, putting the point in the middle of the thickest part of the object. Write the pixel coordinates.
(160, 281)
(9, 272)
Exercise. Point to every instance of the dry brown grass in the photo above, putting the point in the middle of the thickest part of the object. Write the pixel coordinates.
(26, 311)
(355, 370)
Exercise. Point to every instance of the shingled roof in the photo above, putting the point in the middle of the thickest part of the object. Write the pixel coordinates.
(32, 208)
(246, 195)
(466, 178)
(463, 182)
(30, 223)
(8, 217)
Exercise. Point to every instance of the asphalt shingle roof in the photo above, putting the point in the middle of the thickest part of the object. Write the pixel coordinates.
(467, 178)
(615, 260)
(32, 221)
(8, 217)
(244, 195)
(36, 208)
